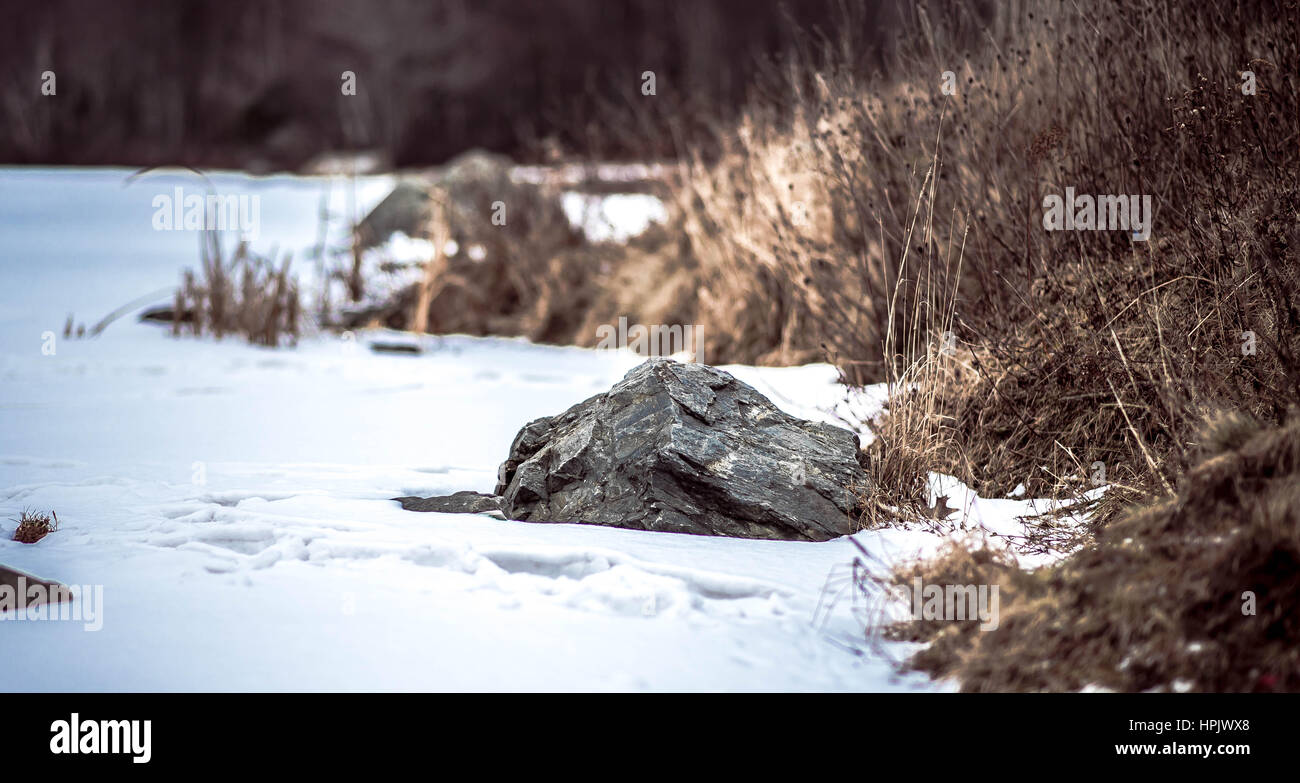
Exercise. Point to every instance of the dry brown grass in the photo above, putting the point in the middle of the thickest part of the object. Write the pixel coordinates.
(1084, 347)
(35, 525)
(914, 434)
(248, 295)
(529, 273)
(536, 277)
(651, 280)
(958, 564)
(1198, 590)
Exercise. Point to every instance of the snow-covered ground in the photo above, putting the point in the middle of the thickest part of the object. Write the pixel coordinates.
(233, 502)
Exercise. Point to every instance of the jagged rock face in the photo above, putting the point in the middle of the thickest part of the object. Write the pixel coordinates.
(685, 448)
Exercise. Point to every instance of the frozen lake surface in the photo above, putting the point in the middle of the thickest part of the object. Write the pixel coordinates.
(233, 501)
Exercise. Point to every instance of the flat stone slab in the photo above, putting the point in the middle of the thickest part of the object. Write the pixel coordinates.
(457, 503)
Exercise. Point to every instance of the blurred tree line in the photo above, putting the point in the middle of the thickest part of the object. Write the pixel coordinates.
(258, 83)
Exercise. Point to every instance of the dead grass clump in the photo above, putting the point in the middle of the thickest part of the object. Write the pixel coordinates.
(35, 525)
(922, 359)
(911, 437)
(1108, 382)
(505, 259)
(1193, 593)
(530, 274)
(525, 277)
(957, 564)
(1099, 365)
(898, 462)
(248, 295)
(650, 280)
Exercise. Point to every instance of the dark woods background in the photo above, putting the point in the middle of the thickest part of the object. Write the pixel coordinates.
(256, 84)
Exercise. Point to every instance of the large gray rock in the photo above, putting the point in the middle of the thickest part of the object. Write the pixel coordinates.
(685, 448)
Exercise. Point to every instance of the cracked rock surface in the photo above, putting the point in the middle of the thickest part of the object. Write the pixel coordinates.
(685, 448)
